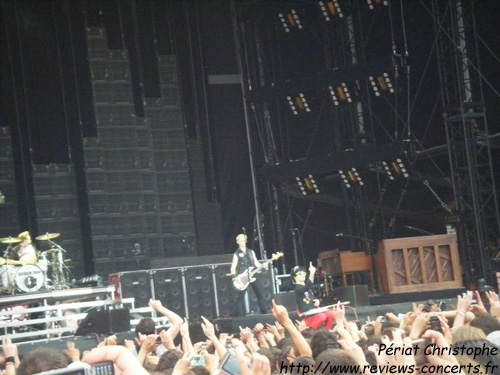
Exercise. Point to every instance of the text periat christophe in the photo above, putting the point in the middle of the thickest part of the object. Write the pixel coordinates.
(432, 349)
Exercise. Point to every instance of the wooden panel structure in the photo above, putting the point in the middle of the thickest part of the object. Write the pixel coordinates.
(335, 262)
(418, 264)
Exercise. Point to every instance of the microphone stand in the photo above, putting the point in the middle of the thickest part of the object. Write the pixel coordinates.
(295, 255)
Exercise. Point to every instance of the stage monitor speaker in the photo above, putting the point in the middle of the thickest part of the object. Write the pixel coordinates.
(226, 292)
(286, 299)
(200, 294)
(169, 289)
(105, 322)
(357, 295)
(136, 284)
(264, 279)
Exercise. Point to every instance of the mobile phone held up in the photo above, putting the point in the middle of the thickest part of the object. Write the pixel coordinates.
(103, 368)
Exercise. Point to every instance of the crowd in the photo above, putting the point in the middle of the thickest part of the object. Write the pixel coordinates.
(462, 339)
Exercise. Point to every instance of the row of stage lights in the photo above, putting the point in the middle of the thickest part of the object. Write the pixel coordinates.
(308, 185)
(327, 8)
(391, 169)
(342, 93)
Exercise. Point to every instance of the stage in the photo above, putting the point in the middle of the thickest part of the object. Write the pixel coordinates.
(51, 318)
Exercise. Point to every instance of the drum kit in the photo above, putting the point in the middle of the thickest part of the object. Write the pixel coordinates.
(46, 270)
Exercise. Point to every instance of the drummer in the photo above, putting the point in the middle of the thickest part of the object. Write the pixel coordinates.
(306, 300)
(24, 249)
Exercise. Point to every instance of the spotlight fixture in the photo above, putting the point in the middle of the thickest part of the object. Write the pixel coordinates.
(298, 103)
(340, 93)
(381, 83)
(290, 20)
(344, 178)
(283, 22)
(355, 176)
(292, 105)
(351, 176)
(387, 170)
(330, 8)
(399, 167)
(333, 95)
(307, 185)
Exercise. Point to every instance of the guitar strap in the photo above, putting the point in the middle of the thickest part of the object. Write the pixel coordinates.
(249, 256)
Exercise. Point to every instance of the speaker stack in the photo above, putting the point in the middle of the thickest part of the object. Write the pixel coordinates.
(200, 293)
(191, 291)
(168, 286)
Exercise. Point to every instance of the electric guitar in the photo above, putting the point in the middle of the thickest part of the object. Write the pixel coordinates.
(321, 309)
(243, 280)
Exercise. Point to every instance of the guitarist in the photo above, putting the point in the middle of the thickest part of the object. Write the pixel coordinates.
(305, 298)
(243, 259)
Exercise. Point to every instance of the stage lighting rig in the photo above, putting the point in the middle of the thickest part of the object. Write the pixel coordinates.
(381, 83)
(351, 176)
(290, 20)
(330, 8)
(298, 103)
(307, 185)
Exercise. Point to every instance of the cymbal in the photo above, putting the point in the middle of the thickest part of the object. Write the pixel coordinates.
(65, 260)
(48, 236)
(51, 251)
(10, 240)
(2, 261)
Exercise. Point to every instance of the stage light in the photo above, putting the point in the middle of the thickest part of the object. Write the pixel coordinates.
(307, 185)
(283, 22)
(381, 83)
(333, 95)
(351, 176)
(344, 93)
(298, 103)
(324, 11)
(290, 20)
(399, 167)
(330, 8)
(387, 170)
(292, 105)
(344, 178)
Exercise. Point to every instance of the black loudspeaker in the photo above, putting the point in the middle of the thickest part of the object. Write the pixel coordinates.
(357, 295)
(200, 294)
(104, 321)
(169, 289)
(226, 293)
(136, 284)
(286, 299)
(264, 279)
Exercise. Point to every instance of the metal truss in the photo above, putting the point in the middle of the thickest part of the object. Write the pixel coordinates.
(476, 214)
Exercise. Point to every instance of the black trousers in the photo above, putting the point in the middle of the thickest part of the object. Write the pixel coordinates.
(240, 303)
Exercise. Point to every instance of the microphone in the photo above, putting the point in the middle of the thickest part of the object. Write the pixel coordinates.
(339, 235)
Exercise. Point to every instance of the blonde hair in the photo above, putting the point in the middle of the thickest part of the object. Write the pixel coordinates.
(22, 236)
(241, 235)
(467, 333)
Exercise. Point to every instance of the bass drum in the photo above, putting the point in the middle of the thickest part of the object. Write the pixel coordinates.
(29, 278)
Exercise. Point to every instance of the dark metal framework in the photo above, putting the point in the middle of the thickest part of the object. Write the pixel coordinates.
(477, 217)
(373, 211)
